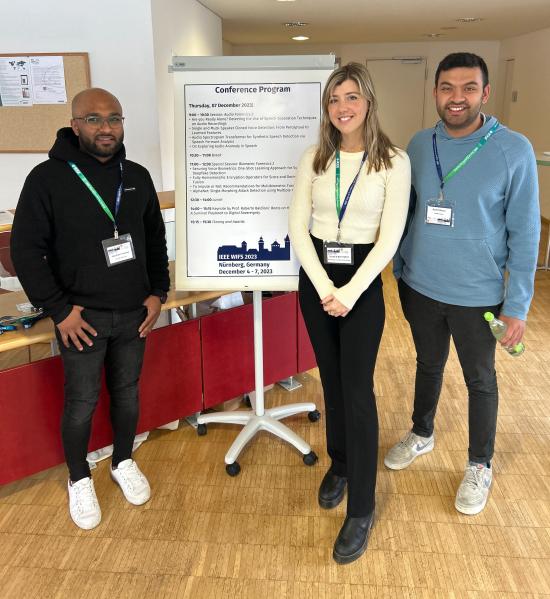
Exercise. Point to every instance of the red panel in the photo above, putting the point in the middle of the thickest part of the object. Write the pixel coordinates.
(228, 348)
(30, 406)
(306, 356)
(31, 401)
(171, 380)
(5, 259)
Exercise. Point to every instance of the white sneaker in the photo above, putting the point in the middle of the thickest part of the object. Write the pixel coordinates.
(83, 505)
(132, 481)
(473, 492)
(407, 450)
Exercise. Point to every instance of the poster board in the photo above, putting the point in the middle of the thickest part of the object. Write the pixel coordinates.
(241, 126)
(32, 129)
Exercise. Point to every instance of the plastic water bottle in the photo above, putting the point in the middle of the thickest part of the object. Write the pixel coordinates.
(498, 328)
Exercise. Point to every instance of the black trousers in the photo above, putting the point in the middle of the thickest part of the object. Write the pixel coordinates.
(119, 348)
(432, 324)
(346, 350)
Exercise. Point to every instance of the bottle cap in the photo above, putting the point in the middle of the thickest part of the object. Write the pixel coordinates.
(489, 316)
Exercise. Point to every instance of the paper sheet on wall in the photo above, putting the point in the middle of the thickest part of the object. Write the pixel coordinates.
(15, 81)
(48, 80)
(28, 80)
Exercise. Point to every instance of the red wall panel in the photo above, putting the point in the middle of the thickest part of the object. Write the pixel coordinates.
(31, 401)
(228, 348)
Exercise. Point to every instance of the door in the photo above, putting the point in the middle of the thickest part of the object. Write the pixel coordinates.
(400, 85)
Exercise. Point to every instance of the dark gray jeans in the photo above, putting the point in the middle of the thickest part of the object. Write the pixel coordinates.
(432, 324)
(119, 348)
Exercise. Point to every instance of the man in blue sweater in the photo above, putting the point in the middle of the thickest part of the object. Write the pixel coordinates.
(474, 217)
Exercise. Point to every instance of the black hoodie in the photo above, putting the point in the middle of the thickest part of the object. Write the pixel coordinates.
(59, 225)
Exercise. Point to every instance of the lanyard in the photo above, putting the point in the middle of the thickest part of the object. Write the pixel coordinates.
(96, 195)
(467, 158)
(340, 211)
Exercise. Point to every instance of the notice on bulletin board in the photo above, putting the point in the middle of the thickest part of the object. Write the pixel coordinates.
(28, 80)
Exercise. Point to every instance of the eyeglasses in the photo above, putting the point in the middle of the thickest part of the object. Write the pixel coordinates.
(92, 120)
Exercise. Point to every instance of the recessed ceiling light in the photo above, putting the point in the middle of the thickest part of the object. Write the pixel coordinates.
(432, 34)
(300, 38)
(469, 19)
(285, 0)
(295, 24)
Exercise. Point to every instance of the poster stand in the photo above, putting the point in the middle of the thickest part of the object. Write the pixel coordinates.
(241, 124)
(258, 418)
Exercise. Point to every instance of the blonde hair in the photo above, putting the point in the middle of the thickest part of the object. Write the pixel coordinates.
(377, 144)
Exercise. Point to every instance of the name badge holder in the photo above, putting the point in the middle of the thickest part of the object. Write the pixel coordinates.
(441, 210)
(119, 248)
(336, 252)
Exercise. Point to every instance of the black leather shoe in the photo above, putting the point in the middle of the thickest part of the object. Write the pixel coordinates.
(332, 490)
(353, 538)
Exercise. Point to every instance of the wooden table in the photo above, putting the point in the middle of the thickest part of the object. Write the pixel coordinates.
(43, 330)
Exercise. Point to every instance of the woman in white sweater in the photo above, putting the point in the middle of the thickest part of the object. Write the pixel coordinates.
(351, 190)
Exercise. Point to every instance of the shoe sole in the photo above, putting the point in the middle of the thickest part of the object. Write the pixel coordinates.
(347, 559)
(403, 465)
(332, 503)
(469, 510)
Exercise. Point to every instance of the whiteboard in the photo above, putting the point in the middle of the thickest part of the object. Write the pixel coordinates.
(241, 125)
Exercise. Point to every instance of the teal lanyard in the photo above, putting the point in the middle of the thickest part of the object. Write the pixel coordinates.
(96, 195)
(467, 158)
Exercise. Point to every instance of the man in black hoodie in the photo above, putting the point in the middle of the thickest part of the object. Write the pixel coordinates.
(88, 245)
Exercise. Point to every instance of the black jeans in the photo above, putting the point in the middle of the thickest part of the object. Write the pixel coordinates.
(432, 324)
(346, 350)
(119, 348)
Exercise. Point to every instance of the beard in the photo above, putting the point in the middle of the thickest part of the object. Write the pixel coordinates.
(90, 146)
(461, 121)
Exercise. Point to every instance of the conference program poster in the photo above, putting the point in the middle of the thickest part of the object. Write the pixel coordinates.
(243, 144)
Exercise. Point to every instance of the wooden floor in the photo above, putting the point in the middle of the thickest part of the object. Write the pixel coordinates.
(261, 535)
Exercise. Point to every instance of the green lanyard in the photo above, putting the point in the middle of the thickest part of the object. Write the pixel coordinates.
(340, 211)
(467, 158)
(96, 195)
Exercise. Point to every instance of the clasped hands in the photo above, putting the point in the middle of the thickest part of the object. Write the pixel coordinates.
(334, 307)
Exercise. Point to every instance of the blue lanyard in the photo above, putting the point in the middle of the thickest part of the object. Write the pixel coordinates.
(340, 211)
(96, 195)
(467, 158)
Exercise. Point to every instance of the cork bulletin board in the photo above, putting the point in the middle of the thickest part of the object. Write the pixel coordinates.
(32, 129)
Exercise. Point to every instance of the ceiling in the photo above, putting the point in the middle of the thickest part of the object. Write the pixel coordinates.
(363, 21)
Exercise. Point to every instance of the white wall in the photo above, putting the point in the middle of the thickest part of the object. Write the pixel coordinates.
(530, 115)
(180, 28)
(432, 51)
(118, 37)
(130, 44)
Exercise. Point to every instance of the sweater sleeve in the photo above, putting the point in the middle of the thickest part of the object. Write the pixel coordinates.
(299, 219)
(155, 238)
(31, 239)
(523, 228)
(392, 223)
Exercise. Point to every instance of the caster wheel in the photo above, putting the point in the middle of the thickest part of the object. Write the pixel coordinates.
(201, 430)
(310, 458)
(233, 469)
(314, 416)
(247, 401)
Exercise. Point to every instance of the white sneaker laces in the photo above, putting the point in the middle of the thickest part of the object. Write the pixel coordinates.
(132, 476)
(473, 478)
(85, 498)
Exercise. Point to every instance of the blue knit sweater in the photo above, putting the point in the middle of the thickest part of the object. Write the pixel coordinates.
(496, 227)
